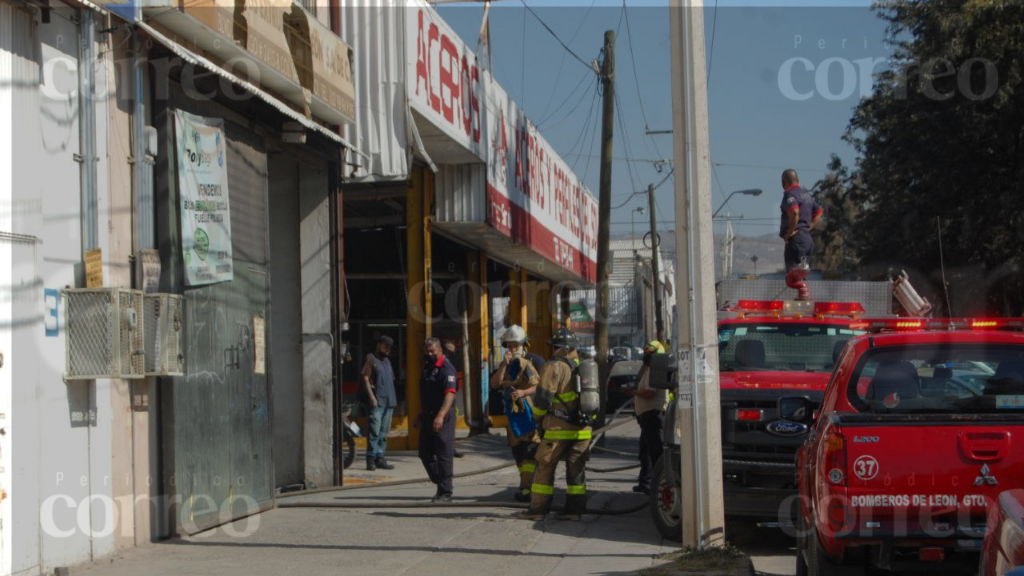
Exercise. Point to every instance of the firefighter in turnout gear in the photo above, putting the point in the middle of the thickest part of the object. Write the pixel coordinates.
(566, 432)
(518, 378)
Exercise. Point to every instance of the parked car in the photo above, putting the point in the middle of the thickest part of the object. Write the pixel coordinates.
(622, 382)
(1003, 550)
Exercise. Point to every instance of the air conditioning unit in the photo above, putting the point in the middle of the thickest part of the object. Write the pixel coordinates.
(165, 341)
(105, 333)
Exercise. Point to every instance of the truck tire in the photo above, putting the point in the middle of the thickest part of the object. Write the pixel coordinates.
(666, 503)
(817, 561)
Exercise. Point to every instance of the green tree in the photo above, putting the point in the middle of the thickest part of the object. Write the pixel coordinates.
(837, 194)
(941, 146)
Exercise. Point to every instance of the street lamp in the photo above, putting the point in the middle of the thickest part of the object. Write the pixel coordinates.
(748, 192)
(632, 225)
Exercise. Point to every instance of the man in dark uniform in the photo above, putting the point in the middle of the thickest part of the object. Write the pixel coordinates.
(800, 214)
(437, 419)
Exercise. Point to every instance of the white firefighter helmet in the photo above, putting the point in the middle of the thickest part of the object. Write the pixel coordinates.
(514, 333)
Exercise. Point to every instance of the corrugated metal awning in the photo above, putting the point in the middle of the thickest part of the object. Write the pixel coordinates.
(197, 60)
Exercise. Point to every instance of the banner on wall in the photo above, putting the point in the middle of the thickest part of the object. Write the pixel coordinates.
(203, 192)
(533, 196)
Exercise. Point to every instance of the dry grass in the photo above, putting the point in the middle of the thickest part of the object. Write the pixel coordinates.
(724, 559)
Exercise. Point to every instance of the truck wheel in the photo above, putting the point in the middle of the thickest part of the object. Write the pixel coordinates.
(817, 561)
(666, 504)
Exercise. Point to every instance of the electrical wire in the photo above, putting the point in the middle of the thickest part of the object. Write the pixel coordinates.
(636, 79)
(555, 36)
(561, 64)
(711, 51)
(569, 114)
(566, 101)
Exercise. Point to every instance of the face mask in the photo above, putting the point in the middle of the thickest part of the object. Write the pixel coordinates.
(431, 359)
(382, 354)
(519, 353)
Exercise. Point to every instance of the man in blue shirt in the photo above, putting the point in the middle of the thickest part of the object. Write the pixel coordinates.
(800, 214)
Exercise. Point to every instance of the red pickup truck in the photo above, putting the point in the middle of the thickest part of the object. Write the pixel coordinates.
(920, 429)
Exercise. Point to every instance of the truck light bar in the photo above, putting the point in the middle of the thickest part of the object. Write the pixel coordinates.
(914, 324)
(853, 309)
(799, 309)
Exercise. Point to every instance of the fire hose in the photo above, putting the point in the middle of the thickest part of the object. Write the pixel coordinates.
(467, 504)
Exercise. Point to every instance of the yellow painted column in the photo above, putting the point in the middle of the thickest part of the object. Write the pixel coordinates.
(542, 327)
(479, 333)
(418, 315)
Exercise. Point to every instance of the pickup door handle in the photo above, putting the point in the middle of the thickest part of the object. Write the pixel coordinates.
(984, 446)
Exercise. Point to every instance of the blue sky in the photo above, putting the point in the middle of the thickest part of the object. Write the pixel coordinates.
(756, 130)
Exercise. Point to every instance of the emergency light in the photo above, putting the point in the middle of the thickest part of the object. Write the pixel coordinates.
(799, 309)
(914, 324)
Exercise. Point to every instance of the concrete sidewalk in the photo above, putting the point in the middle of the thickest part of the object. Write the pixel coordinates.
(473, 537)
(381, 530)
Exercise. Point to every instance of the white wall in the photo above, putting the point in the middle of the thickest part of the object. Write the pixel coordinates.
(60, 433)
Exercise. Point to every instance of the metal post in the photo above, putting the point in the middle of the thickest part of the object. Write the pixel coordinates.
(604, 208)
(698, 404)
(87, 130)
(659, 322)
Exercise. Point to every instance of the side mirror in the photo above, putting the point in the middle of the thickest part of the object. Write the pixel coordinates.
(663, 372)
(796, 409)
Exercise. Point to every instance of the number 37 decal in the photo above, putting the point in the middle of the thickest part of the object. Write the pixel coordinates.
(865, 467)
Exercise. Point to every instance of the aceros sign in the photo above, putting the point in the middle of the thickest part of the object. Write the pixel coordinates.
(533, 196)
(443, 79)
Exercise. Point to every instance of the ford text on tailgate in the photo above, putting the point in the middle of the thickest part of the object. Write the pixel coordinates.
(918, 433)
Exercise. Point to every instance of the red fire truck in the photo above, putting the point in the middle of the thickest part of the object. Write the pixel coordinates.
(921, 427)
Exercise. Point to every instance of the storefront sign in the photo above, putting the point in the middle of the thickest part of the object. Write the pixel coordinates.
(533, 196)
(276, 43)
(266, 34)
(332, 68)
(203, 192)
(443, 79)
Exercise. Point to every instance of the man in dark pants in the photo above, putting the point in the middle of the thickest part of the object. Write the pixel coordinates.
(650, 406)
(800, 214)
(437, 419)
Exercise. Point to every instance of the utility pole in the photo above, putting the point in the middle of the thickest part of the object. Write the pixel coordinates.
(659, 323)
(698, 399)
(604, 212)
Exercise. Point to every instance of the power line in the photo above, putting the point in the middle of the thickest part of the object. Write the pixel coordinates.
(636, 79)
(711, 51)
(738, 165)
(570, 113)
(552, 32)
(558, 76)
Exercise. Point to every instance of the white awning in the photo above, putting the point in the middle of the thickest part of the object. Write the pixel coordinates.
(197, 60)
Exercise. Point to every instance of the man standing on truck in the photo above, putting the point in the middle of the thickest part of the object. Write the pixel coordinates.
(800, 214)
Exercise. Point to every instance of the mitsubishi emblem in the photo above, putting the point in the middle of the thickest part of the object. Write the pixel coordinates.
(985, 478)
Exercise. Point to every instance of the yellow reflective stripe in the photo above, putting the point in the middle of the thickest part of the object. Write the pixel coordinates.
(542, 489)
(526, 491)
(576, 490)
(568, 396)
(528, 468)
(537, 410)
(567, 434)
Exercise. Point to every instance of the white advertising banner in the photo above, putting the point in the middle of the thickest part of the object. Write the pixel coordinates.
(203, 191)
(533, 196)
(443, 78)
